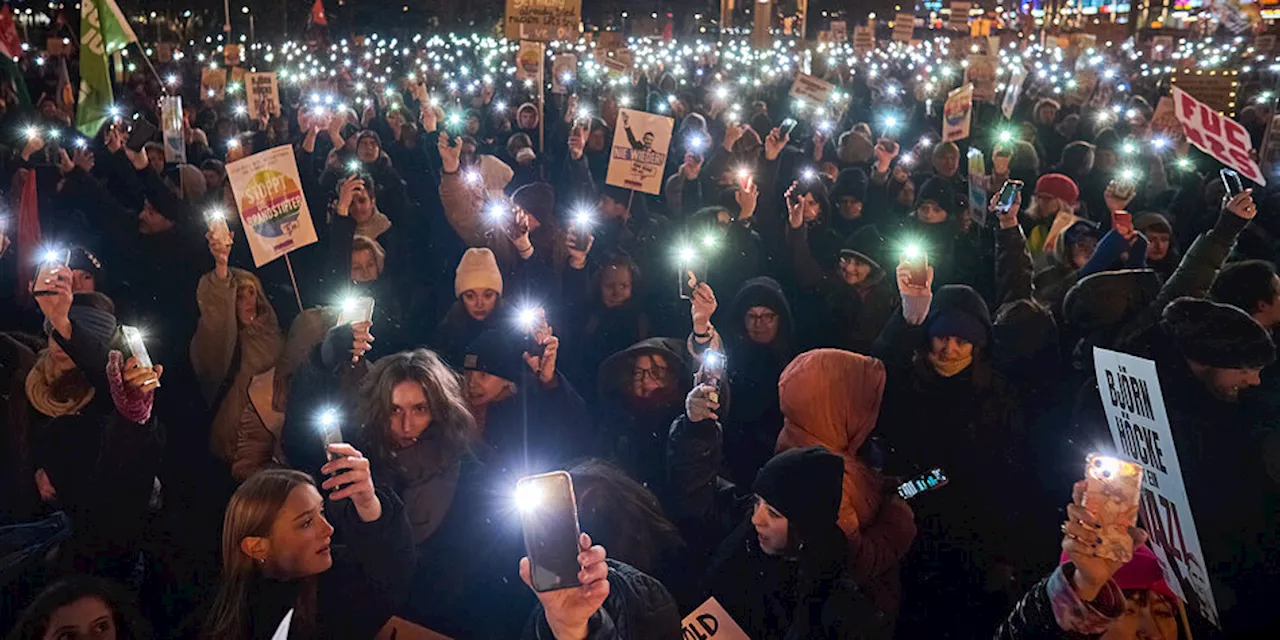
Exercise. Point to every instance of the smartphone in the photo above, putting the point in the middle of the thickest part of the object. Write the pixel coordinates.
(711, 372)
(1112, 494)
(787, 127)
(1008, 195)
(133, 339)
(698, 268)
(1124, 187)
(52, 261)
(917, 262)
(549, 517)
(1122, 220)
(330, 432)
(531, 322)
(218, 227)
(1231, 180)
(927, 481)
(356, 310)
(141, 133)
(580, 234)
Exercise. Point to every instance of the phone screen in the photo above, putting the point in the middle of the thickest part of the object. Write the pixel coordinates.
(1231, 180)
(141, 134)
(927, 481)
(46, 271)
(356, 310)
(1008, 194)
(787, 127)
(133, 339)
(1122, 220)
(712, 371)
(549, 515)
(919, 269)
(580, 235)
(698, 268)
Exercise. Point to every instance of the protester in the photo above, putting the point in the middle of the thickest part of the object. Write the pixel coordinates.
(81, 607)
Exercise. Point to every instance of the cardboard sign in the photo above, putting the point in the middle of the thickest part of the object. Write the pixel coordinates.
(1161, 48)
(213, 84)
(398, 628)
(1086, 82)
(815, 90)
(272, 207)
(956, 114)
(231, 55)
(543, 20)
(563, 69)
(710, 622)
(1131, 396)
(1216, 135)
(864, 40)
(609, 41)
(620, 62)
(960, 15)
(1165, 121)
(262, 94)
(1216, 89)
(982, 73)
(904, 26)
(1014, 90)
(175, 147)
(236, 77)
(639, 155)
(529, 61)
(839, 31)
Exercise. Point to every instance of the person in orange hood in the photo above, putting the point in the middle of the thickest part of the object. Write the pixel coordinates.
(831, 398)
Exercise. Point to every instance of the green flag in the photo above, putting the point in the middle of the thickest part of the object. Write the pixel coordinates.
(103, 31)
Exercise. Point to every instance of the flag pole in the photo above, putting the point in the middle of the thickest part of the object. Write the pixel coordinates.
(297, 296)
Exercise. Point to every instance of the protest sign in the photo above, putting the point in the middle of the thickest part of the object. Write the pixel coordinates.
(1164, 122)
(960, 15)
(1014, 90)
(231, 55)
(563, 68)
(213, 84)
(1085, 81)
(981, 72)
(956, 114)
(839, 31)
(543, 20)
(272, 207)
(711, 622)
(262, 93)
(1134, 404)
(398, 628)
(619, 62)
(175, 147)
(978, 194)
(1217, 135)
(164, 52)
(639, 155)
(815, 90)
(609, 41)
(529, 61)
(864, 40)
(1161, 48)
(1216, 89)
(904, 26)
(235, 76)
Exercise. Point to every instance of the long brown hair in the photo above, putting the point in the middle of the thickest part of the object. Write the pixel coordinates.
(251, 512)
(622, 514)
(453, 428)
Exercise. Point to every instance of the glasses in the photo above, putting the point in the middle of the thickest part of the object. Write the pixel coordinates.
(758, 318)
(657, 374)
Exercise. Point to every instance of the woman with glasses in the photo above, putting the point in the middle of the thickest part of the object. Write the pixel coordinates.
(642, 390)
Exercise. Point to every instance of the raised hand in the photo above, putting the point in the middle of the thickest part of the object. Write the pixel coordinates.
(351, 478)
(450, 154)
(568, 611)
(775, 143)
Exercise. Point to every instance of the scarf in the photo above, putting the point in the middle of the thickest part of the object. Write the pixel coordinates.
(948, 368)
(375, 226)
(66, 400)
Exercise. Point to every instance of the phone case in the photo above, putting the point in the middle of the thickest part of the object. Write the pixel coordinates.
(218, 227)
(539, 535)
(1112, 495)
(919, 271)
(331, 435)
(359, 310)
(45, 272)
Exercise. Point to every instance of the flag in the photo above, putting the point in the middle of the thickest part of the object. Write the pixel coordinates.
(317, 14)
(103, 31)
(64, 96)
(28, 240)
(10, 45)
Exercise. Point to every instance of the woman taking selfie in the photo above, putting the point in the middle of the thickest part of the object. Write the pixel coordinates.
(277, 556)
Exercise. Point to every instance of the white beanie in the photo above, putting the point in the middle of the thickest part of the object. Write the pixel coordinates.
(496, 174)
(478, 270)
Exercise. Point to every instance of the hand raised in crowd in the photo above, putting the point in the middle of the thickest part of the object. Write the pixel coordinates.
(83, 159)
(571, 109)
(886, 150)
(427, 115)
(1242, 205)
(568, 611)
(1118, 196)
(747, 200)
(350, 477)
(703, 305)
(1124, 227)
(907, 287)
(346, 193)
(795, 207)
(114, 139)
(702, 403)
(692, 166)
(65, 165)
(819, 141)
(450, 154)
(220, 249)
(577, 255)
(577, 142)
(774, 143)
(34, 145)
(1008, 219)
(545, 364)
(732, 133)
(363, 340)
(138, 158)
(1080, 540)
(334, 126)
(139, 378)
(55, 298)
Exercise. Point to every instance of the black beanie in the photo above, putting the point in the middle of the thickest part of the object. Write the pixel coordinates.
(1218, 335)
(939, 190)
(867, 245)
(83, 260)
(804, 485)
(850, 183)
(537, 198)
(496, 353)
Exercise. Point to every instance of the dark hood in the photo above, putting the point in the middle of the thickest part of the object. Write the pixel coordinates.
(962, 298)
(613, 373)
(762, 291)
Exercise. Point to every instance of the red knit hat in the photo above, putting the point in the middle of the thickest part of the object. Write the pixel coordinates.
(1142, 572)
(1058, 186)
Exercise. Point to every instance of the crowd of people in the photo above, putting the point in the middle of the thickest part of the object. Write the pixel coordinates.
(268, 458)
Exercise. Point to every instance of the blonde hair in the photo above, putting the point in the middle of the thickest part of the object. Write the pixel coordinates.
(250, 513)
(365, 243)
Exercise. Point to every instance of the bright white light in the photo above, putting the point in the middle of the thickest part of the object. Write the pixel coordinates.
(528, 497)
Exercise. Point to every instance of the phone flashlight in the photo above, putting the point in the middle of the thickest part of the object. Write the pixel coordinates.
(496, 213)
(1005, 136)
(808, 174)
(241, 110)
(686, 254)
(233, 143)
(1128, 148)
(744, 178)
(912, 252)
(697, 143)
(825, 126)
(330, 432)
(1128, 174)
(528, 317)
(353, 166)
(81, 143)
(527, 497)
(890, 123)
(32, 132)
(906, 159)
(471, 176)
(584, 113)
(54, 134)
(1159, 143)
(710, 240)
(52, 256)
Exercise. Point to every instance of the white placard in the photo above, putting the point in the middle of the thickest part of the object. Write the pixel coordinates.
(639, 155)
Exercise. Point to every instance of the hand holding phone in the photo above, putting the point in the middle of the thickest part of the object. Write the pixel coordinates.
(54, 264)
(1008, 195)
(1122, 222)
(356, 310)
(549, 519)
(916, 262)
(1231, 180)
(350, 477)
(1113, 491)
(927, 481)
(711, 373)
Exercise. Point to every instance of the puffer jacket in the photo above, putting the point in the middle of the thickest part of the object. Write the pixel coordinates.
(832, 398)
(638, 608)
